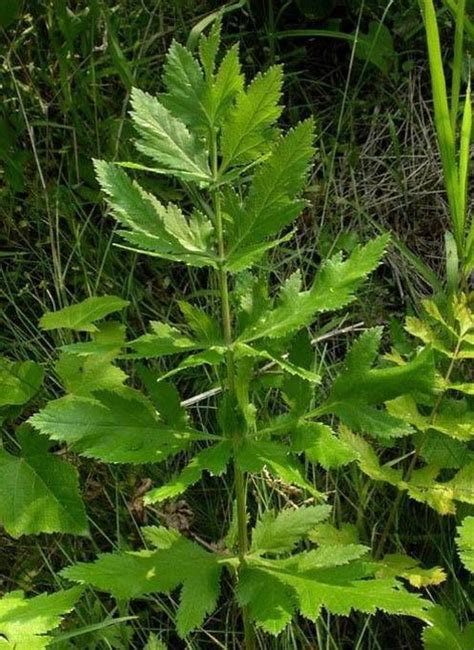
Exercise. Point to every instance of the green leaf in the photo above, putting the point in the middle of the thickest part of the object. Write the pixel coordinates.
(248, 131)
(333, 287)
(323, 578)
(19, 381)
(254, 455)
(422, 485)
(81, 317)
(278, 533)
(213, 459)
(268, 600)
(26, 622)
(162, 341)
(86, 375)
(321, 445)
(184, 83)
(444, 631)
(328, 535)
(228, 84)
(154, 643)
(113, 427)
(164, 396)
(204, 327)
(39, 492)
(359, 416)
(242, 351)
(359, 387)
(454, 418)
(403, 566)
(161, 230)
(209, 46)
(358, 381)
(271, 203)
(166, 140)
(465, 543)
(178, 561)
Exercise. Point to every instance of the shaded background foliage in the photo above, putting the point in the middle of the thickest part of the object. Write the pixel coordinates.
(66, 73)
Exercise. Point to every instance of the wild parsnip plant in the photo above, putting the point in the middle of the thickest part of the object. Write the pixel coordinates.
(242, 179)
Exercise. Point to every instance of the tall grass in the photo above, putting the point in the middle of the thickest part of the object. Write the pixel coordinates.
(454, 139)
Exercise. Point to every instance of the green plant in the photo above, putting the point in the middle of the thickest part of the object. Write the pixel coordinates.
(241, 182)
(454, 139)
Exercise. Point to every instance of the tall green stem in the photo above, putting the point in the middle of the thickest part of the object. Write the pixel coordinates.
(239, 476)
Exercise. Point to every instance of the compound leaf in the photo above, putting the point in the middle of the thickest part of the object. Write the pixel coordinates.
(326, 578)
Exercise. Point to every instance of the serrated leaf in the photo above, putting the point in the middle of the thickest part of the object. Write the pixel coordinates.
(162, 230)
(86, 375)
(81, 317)
(162, 341)
(166, 140)
(333, 287)
(184, 82)
(359, 390)
(242, 351)
(444, 631)
(228, 83)
(248, 131)
(328, 535)
(321, 445)
(277, 533)
(164, 396)
(133, 574)
(465, 543)
(39, 493)
(271, 203)
(359, 416)
(113, 427)
(269, 601)
(204, 327)
(454, 418)
(213, 460)
(25, 623)
(209, 46)
(19, 381)
(154, 643)
(305, 583)
(254, 455)
(359, 381)
(403, 566)
(422, 485)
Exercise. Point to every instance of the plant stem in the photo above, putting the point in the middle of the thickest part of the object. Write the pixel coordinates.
(239, 476)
